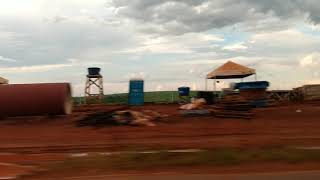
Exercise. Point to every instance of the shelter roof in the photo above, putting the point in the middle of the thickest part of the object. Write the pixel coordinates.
(231, 70)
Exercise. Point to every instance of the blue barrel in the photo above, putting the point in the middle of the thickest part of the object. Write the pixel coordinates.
(94, 71)
(184, 91)
(136, 93)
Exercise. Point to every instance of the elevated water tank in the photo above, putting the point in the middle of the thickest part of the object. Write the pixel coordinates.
(94, 71)
(136, 92)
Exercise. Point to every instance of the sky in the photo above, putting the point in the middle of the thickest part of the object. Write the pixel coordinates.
(168, 43)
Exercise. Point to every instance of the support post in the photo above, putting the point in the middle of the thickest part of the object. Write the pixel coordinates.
(206, 84)
(95, 81)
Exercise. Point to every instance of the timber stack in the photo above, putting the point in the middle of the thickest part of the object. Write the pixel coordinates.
(233, 106)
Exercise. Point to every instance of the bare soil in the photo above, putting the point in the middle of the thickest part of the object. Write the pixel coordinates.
(41, 139)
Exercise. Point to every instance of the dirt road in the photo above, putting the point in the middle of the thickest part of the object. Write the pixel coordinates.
(305, 175)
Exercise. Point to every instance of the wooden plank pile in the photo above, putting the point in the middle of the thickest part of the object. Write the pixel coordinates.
(309, 94)
(233, 106)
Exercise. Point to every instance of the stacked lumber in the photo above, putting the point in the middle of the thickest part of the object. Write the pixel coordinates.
(253, 94)
(310, 92)
(233, 106)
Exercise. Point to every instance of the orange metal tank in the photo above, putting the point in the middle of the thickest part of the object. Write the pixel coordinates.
(35, 99)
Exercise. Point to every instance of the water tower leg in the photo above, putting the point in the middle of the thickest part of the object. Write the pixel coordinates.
(97, 82)
(101, 94)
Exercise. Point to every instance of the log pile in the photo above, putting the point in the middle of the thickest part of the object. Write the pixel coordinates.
(233, 106)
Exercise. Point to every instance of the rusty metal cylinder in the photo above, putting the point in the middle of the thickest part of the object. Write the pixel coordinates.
(35, 99)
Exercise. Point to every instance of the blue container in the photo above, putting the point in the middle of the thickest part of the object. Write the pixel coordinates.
(184, 91)
(136, 93)
(94, 71)
(252, 85)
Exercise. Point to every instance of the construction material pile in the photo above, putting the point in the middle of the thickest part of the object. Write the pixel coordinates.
(121, 117)
(195, 104)
(3, 81)
(233, 106)
(309, 93)
(195, 108)
(255, 92)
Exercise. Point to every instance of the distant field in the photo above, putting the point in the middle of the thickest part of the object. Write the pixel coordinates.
(149, 97)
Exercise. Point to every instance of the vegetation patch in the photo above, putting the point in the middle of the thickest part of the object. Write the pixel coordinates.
(97, 163)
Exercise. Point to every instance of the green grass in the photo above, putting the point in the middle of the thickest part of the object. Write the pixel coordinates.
(216, 157)
(149, 97)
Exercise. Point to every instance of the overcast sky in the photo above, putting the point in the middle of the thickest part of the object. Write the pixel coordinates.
(169, 43)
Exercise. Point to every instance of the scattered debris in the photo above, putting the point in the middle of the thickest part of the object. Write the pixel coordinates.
(121, 117)
(195, 104)
(3, 81)
(79, 155)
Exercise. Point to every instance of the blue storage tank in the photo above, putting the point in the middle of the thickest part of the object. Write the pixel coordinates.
(252, 85)
(184, 91)
(94, 71)
(136, 93)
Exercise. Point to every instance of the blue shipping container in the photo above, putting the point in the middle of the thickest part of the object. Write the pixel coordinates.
(136, 93)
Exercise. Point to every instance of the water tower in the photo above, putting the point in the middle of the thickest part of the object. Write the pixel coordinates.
(94, 82)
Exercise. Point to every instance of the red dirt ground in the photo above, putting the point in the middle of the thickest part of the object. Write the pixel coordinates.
(274, 126)
(271, 126)
(8, 171)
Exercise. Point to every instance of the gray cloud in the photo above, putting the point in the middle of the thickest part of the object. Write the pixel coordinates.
(6, 59)
(177, 16)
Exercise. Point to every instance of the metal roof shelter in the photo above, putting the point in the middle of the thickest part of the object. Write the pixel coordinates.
(230, 70)
(3, 81)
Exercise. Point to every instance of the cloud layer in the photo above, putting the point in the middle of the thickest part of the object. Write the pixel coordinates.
(181, 16)
(169, 43)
